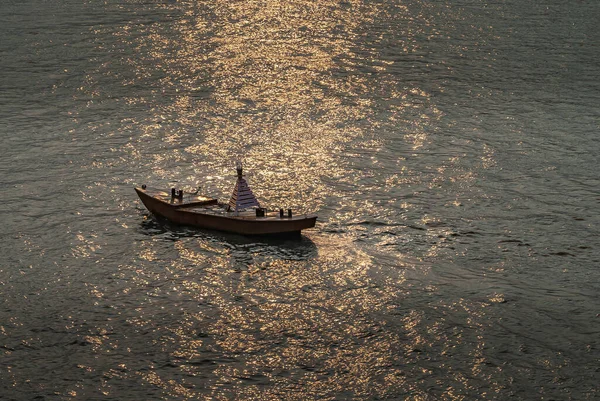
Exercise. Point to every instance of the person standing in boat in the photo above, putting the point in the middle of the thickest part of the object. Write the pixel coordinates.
(242, 196)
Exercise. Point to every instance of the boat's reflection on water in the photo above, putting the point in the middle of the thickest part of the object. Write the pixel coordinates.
(244, 249)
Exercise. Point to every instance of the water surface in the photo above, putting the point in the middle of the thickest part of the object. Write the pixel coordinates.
(449, 148)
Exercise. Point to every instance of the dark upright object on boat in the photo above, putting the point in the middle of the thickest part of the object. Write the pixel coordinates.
(242, 215)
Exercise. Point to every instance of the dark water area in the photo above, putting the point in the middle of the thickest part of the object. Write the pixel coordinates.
(449, 148)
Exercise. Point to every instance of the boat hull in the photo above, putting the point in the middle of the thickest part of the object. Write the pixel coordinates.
(185, 214)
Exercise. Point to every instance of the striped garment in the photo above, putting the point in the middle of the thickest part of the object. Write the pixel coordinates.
(242, 197)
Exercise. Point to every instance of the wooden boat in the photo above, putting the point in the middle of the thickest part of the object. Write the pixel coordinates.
(242, 215)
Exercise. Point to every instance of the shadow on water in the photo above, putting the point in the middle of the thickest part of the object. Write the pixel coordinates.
(285, 247)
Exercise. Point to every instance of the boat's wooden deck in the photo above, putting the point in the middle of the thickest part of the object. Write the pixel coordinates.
(218, 210)
(206, 205)
(189, 199)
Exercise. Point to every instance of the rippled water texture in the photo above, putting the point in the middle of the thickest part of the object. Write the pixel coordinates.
(449, 147)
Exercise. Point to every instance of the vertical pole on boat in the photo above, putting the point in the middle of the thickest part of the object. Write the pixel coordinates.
(238, 167)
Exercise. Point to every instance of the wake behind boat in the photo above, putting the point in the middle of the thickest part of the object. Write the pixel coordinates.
(242, 215)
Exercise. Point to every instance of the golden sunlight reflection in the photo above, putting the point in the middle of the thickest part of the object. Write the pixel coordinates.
(288, 322)
(287, 87)
(326, 117)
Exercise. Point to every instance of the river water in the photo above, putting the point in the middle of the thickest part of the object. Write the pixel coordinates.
(449, 148)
